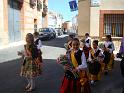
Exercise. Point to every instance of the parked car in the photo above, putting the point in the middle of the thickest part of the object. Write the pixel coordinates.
(59, 31)
(54, 32)
(45, 34)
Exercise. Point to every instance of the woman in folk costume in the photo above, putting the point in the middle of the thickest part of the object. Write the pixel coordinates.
(87, 45)
(75, 79)
(31, 66)
(95, 62)
(108, 52)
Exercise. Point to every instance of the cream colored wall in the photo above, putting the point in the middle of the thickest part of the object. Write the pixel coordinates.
(3, 23)
(84, 17)
(94, 21)
(29, 16)
(112, 4)
(1, 19)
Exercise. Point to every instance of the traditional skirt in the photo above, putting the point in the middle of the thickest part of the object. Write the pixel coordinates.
(71, 85)
(95, 70)
(109, 61)
(31, 68)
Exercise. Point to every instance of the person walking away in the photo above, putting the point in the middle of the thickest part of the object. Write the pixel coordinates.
(31, 66)
(108, 52)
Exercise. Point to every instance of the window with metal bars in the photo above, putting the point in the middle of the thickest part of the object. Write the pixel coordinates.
(114, 24)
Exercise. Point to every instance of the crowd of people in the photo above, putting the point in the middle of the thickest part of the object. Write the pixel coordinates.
(90, 62)
(84, 63)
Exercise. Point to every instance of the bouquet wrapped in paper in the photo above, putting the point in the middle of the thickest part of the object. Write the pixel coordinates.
(101, 45)
(64, 60)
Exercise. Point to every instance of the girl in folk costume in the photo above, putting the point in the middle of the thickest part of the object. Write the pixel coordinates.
(31, 66)
(37, 40)
(75, 79)
(38, 43)
(87, 45)
(108, 52)
(95, 62)
(68, 45)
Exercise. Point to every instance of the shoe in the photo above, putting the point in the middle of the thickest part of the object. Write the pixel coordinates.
(27, 87)
(92, 82)
(30, 89)
(106, 73)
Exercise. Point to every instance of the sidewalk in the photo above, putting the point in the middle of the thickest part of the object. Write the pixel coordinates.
(8, 53)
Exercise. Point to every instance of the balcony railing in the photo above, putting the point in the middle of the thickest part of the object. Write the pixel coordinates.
(45, 9)
(39, 5)
(33, 3)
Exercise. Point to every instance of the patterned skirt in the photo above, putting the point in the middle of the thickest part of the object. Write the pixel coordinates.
(31, 68)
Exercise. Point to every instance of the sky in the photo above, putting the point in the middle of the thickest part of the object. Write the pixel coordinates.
(62, 7)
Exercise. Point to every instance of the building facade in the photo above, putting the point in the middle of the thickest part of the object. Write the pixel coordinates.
(67, 26)
(20, 17)
(75, 24)
(55, 20)
(101, 17)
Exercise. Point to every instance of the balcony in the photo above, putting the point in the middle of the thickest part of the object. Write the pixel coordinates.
(45, 10)
(39, 5)
(33, 3)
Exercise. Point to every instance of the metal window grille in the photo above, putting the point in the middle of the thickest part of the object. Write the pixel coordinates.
(114, 24)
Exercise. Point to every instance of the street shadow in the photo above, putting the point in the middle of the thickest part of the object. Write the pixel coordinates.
(48, 82)
(111, 83)
(57, 42)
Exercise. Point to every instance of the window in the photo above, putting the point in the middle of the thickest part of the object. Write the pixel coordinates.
(114, 24)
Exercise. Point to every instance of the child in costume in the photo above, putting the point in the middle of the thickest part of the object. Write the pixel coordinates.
(31, 66)
(95, 62)
(75, 78)
(108, 52)
(37, 40)
(87, 45)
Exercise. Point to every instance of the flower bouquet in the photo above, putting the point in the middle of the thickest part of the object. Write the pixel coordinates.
(65, 61)
(101, 45)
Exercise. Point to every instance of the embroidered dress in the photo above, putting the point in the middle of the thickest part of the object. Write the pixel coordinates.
(109, 56)
(72, 84)
(96, 64)
(32, 64)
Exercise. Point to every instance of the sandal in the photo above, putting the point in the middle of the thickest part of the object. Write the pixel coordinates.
(27, 87)
(30, 89)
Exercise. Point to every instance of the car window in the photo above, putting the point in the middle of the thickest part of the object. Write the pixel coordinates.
(45, 30)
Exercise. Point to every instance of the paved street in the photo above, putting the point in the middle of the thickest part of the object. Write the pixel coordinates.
(50, 80)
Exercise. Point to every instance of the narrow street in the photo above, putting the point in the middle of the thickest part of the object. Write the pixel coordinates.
(50, 80)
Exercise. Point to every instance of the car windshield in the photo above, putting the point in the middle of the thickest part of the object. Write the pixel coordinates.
(45, 30)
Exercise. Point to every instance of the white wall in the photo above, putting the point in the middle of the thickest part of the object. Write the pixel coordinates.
(112, 4)
(1, 21)
(94, 21)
